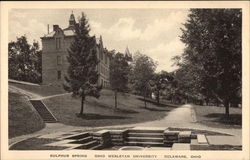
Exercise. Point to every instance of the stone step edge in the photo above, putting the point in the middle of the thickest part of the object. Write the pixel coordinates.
(156, 143)
(146, 138)
(75, 135)
(83, 139)
(145, 131)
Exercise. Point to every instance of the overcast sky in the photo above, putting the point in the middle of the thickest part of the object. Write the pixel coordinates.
(154, 32)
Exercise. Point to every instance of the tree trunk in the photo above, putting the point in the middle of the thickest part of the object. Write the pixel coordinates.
(82, 104)
(207, 102)
(115, 99)
(158, 97)
(217, 103)
(226, 105)
(145, 103)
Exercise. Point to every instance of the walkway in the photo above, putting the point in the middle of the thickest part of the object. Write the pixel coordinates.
(184, 117)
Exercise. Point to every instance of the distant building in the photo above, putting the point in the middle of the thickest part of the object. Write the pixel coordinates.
(54, 55)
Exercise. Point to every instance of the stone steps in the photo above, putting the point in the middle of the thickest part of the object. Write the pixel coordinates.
(83, 140)
(78, 136)
(156, 135)
(145, 139)
(43, 111)
(151, 144)
(88, 145)
(97, 147)
(146, 130)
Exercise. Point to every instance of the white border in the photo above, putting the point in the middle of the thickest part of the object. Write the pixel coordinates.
(222, 155)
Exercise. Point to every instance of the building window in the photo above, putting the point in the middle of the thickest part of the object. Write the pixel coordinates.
(59, 60)
(59, 75)
(58, 43)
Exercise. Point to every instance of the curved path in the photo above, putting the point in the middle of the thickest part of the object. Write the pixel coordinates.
(184, 117)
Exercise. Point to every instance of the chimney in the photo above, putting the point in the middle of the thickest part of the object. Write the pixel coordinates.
(55, 27)
(48, 28)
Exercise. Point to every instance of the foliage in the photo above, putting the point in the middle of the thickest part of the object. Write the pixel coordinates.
(82, 75)
(160, 82)
(119, 71)
(142, 72)
(25, 60)
(212, 58)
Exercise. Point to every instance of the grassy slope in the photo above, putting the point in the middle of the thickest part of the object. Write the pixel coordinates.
(215, 116)
(41, 90)
(100, 112)
(23, 119)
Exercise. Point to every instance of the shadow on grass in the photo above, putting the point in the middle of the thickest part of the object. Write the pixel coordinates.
(233, 119)
(119, 110)
(155, 103)
(155, 109)
(91, 116)
(222, 147)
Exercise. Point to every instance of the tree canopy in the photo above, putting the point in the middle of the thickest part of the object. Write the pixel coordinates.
(119, 72)
(142, 72)
(25, 60)
(160, 82)
(213, 54)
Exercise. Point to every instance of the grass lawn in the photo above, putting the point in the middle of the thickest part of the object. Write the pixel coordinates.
(23, 119)
(43, 90)
(100, 112)
(215, 116)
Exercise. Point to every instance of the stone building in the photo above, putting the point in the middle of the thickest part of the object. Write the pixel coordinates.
(54, 55)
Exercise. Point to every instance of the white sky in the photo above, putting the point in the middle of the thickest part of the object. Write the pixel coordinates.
(154, 32)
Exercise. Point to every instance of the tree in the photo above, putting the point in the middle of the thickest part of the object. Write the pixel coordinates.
(160, 82)
(213, 40)
(82, 75)
(119, 71)
(143, 70)
(25, 60)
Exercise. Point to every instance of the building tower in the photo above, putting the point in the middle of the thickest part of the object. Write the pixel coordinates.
(128, 55)
(72, 20)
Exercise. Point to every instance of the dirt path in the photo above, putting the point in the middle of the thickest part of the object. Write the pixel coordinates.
(30, 95)
(184, 117)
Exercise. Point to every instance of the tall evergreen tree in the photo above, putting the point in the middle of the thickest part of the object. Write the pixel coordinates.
(82, 75)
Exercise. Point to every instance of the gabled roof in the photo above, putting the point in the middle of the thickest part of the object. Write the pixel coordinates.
(67, 32)
(51, 34)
